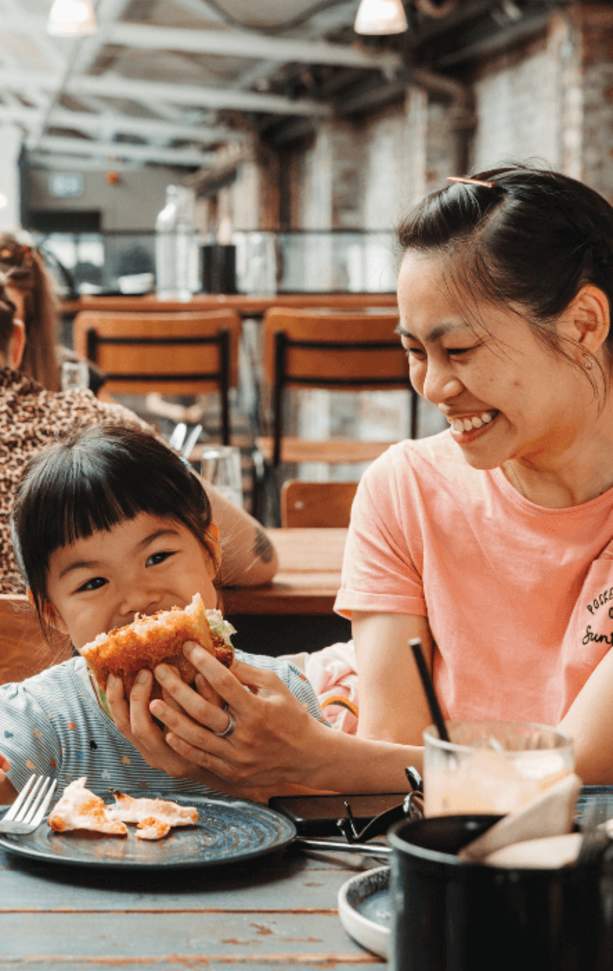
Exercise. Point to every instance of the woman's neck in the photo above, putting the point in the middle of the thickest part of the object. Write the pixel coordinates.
(580, 472)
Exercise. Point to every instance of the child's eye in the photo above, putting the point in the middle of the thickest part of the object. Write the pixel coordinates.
(157, 558)
(92, 584)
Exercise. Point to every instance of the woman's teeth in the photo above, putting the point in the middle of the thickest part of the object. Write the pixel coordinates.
(467, 424)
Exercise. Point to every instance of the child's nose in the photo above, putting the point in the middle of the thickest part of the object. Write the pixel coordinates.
(139, 602)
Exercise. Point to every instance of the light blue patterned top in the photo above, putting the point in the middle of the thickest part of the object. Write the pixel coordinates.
(52, 724)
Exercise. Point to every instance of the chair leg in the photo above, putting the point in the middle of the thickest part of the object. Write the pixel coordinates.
(266, 491)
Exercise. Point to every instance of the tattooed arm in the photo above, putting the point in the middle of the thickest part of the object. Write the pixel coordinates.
(248, 556)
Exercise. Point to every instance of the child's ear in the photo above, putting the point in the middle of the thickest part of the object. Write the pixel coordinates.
(49, 614)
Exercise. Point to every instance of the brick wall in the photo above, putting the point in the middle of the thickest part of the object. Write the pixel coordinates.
(549, 99)
(594, 25)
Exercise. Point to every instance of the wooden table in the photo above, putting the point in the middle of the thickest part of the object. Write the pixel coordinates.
(307, 580)
(277, 911)
(245, 305)
(293, 613)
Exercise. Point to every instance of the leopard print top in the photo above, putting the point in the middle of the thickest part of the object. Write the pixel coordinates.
(30, 418)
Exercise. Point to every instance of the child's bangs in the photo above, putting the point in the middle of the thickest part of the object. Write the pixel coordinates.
(97, 496)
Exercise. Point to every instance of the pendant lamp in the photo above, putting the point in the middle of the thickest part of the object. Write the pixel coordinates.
(71, 18)
(380, 17)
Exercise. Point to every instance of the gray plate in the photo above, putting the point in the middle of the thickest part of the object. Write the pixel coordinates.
(364, 908)
(229, 830)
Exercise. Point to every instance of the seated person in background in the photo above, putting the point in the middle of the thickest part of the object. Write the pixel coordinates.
(30, 287)
(491, 541)
(31, 417)
(109, 524)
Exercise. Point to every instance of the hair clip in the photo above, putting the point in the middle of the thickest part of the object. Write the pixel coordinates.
(466, 181)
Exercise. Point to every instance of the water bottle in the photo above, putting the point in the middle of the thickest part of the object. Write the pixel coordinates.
(174, 245)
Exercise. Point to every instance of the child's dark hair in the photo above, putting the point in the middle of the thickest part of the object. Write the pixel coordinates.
(533, 238)
(93, 481)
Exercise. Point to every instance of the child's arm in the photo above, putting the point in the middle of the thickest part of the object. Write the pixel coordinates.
(248, 556)
(7, 791)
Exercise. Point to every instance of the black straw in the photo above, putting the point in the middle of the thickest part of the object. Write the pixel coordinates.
(428, 686)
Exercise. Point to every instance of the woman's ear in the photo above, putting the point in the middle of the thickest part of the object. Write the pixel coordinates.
(587, 319)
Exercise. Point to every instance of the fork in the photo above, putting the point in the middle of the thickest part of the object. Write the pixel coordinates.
(28, 810)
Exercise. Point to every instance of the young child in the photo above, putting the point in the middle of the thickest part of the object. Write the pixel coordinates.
(106, 525)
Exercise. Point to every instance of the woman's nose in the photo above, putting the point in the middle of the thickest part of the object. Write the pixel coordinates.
(440, 384)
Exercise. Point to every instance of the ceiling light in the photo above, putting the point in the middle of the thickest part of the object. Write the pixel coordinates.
(71, 18)
(380, 17)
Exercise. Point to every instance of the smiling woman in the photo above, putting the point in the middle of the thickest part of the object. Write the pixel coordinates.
(492, 540)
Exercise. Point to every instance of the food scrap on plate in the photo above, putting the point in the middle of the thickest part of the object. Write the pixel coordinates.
(81, 809)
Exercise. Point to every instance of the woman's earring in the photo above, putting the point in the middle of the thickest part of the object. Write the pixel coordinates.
(587, 362)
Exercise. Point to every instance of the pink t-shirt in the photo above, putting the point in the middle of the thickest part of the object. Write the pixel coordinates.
(519, 597)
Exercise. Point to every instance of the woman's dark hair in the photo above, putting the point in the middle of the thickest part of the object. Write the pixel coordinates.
(7, 315)
(93, 481)
(531, 237)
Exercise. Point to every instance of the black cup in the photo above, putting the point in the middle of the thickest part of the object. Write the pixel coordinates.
(218, 268)
(451, 915)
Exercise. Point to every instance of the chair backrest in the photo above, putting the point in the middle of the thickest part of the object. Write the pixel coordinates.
(182, 353)
(316, 503)
(24, 651)
(335, 351)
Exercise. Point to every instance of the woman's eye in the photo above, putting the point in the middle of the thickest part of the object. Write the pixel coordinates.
(458, 351)
(416, 352)
(92, 584)
(157, 558)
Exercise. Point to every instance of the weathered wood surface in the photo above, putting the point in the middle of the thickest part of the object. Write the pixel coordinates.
(279, 911)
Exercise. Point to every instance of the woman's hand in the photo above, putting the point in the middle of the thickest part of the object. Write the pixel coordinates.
(273, 738)
(4, 767)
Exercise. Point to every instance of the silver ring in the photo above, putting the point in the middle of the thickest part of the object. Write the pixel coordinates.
(229, 727)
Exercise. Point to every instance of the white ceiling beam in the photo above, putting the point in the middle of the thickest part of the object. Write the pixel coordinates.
(225, 43)
(52, 160)
(90, 123)
(114, 86)
(249, 44)
(36, 32)
(113, 150)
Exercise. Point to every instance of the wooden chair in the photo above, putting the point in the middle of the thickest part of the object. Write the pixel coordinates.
(316, 503)
(338, 351)
(24, 651)
(335, 351)
(178, 354)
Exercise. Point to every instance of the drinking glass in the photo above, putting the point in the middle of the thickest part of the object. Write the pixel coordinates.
(221, 466)
(492, 766)
(75, 374)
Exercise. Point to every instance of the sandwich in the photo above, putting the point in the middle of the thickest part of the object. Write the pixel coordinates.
(159, 637)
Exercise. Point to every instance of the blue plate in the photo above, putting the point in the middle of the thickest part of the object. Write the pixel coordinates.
(228, 831)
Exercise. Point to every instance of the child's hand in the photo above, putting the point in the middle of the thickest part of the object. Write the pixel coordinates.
(4, 767)
(134, 720)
